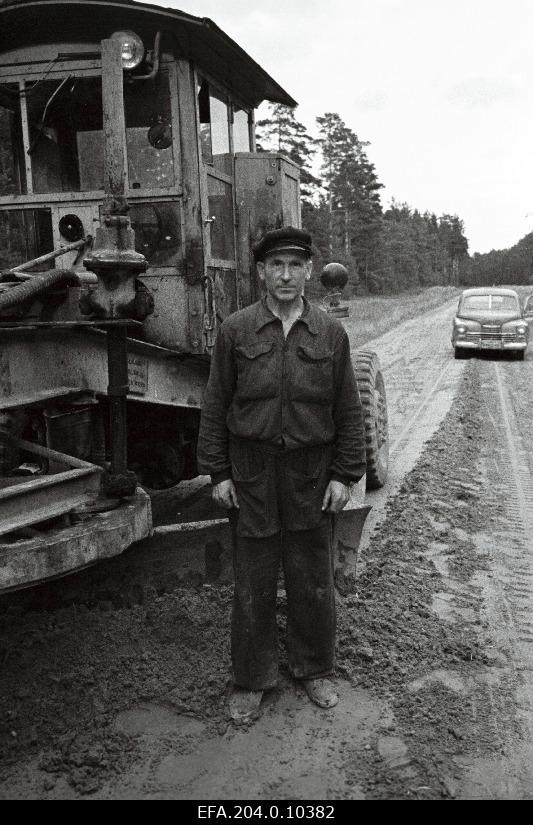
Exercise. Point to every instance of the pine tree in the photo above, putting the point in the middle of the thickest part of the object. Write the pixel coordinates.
(354, 204)
(451, 231)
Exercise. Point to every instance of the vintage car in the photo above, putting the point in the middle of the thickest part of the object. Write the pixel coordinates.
(489, 318)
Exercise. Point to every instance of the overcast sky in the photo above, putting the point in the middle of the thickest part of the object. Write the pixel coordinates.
(442, 90)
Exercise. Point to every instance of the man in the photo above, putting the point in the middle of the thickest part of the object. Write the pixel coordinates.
(282, 437)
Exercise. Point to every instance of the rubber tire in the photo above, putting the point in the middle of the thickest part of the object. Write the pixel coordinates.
(160, 465)
(374, 400)
(519, 355)
(459, 352)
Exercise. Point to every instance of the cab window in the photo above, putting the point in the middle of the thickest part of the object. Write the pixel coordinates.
(10, 142)
(66, 134)
(220, 198)
(149, 133)
(157, 232)
(65, 123)
(214, 126)
(241, 130)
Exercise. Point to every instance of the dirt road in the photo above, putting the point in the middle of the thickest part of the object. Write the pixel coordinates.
(113, 683)
(421, 381)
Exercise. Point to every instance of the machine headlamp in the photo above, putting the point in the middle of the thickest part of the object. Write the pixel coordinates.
(132, 48)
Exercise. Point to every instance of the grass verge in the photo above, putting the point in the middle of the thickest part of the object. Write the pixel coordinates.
(372, 316)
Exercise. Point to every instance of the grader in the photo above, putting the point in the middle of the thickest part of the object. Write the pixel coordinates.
(131, 193)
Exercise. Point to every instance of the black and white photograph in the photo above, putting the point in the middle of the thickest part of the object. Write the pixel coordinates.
(266, 405)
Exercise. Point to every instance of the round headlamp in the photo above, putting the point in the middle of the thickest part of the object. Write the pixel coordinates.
(132, 48)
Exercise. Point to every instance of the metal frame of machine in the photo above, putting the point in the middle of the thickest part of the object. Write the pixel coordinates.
(127, 159)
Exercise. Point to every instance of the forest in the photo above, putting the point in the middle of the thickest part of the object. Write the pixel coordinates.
(386, 250)
(504, 266)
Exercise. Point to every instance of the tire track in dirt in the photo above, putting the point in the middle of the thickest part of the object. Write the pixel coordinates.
(405, 435)
(507, 587)
(421, 384)
(518, 584)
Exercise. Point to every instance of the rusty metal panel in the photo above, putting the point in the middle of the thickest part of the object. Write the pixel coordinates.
(267, 197)
(225, 291)
(168, 325)
(27, 502)
(39, 397)
(290, 193)
(42, 361)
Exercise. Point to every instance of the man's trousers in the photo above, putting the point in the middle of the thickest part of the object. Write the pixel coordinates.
(280, 523)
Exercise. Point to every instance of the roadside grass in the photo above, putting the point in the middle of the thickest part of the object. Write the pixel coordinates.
(372, 316)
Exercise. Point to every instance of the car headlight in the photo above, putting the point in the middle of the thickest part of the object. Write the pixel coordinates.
(463, 325)
(132, 48)
(516, 327)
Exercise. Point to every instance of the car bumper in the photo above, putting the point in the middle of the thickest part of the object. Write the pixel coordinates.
(515, 346)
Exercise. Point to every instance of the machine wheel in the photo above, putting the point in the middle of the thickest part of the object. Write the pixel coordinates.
(373, 397)
(159, 465)
(519, 355)
(459, 352)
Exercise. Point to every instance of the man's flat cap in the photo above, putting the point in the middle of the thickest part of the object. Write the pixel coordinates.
(286, 239)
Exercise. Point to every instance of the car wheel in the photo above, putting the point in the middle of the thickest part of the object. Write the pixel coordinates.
(459, 352)
(519, 355)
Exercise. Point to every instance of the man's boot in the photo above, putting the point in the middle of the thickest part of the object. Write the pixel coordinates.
(321, 691)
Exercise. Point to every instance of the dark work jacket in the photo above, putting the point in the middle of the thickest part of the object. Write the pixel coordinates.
(287, 392)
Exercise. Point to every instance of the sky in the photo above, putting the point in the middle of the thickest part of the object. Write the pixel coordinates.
(442, 91)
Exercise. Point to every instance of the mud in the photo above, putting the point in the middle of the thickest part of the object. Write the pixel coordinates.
(114, 682)
(421, 382)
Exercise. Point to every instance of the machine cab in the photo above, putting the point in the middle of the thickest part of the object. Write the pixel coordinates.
(198, 193)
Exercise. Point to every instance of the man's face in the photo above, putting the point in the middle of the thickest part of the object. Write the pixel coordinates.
(284, 275)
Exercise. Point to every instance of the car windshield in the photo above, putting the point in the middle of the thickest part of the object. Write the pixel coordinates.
(491, 303)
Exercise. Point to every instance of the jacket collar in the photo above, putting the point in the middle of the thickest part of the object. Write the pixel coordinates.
(264, 316)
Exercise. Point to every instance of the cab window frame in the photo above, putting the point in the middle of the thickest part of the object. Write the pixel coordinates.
(234, 101)
(211, 169)
(26, 75)
(251, 126)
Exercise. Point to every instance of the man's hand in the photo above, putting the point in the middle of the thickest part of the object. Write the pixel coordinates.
(336, 497)
(225, 494)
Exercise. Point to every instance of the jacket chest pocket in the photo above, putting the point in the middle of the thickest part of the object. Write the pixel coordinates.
(256, 373)
(313, 376)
